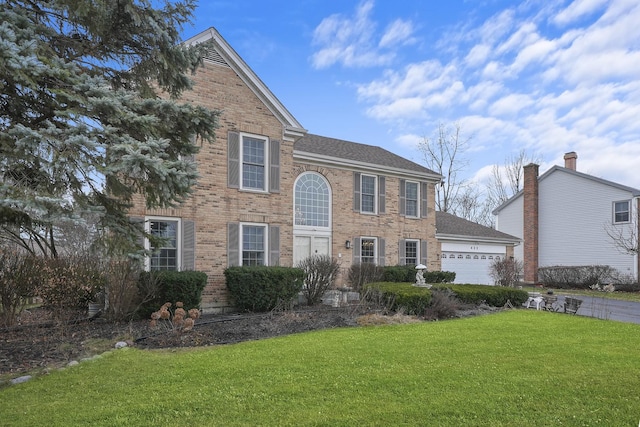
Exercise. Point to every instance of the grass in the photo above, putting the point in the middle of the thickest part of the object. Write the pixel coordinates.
(521, 367)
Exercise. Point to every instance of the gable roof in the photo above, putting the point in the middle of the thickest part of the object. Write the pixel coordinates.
(451, 227)
(633, 191)
(338, 152)
(222, 54)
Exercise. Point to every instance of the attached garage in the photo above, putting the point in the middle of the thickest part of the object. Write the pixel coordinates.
(468, 249)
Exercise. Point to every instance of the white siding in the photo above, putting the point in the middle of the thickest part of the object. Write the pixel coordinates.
(510, 221)
(573, 214)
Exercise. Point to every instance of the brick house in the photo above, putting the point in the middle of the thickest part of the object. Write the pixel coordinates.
(270, 193)
(565, 218)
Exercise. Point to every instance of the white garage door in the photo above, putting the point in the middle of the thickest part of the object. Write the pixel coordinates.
(472, 268)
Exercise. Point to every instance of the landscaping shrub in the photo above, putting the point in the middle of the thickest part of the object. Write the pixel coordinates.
(496, 296)
(577, 277)
(506, 272)
(184, 286)
(263, 288)
(20, 275)
(400, 296)
(320, 275)
(407, 274)
(363, 273)
(444, 305)
(70, 284)
(122, 291)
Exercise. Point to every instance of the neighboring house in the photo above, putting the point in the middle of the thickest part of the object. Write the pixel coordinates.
(269, 193)
(563, 217)
(469, 249)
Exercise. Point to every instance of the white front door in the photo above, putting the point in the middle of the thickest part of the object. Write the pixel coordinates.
(305, 246)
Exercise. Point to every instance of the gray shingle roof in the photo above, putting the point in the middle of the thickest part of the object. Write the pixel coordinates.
(355, 152)
(452, 225)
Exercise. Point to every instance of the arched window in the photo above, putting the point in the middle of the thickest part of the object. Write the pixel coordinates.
(312, 201)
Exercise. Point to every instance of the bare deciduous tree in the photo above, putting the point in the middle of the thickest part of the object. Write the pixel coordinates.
(444, 154)
(625, 237)
(507, 180)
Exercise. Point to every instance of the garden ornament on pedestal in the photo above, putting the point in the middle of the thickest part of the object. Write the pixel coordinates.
(420, 275)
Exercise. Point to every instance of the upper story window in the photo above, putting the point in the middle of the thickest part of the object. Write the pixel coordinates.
(312, 201)
(621, 212)
(411, 199)
(368, 193)
(253, 163)
(164, 256)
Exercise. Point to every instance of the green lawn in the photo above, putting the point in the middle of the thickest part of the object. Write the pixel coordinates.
(521, 367)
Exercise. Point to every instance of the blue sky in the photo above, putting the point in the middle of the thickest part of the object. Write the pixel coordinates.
(546, 76)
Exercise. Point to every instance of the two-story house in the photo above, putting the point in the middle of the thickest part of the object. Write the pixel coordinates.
(566, 217)
(270, 193)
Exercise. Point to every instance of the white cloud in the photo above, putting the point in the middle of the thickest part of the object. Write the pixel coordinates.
(398, 32)
(351, 41)
(578, 9)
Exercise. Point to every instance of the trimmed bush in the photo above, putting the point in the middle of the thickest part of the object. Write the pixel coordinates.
(171, 286)
(496, 296)
(577, 277)
(263, 288)
(407, 274)
(363, 273)
(400, 296)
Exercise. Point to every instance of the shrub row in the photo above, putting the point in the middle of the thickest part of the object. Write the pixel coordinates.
(577, 277)
(170, 286)
(397, 296)
(495, 296)
(407, 274)
(416, 300)
(263, 288)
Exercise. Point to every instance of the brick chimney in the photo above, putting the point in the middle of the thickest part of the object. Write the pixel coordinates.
(570, 160)
(530, 223)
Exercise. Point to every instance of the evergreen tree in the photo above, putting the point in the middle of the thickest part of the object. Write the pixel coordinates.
(89, 114)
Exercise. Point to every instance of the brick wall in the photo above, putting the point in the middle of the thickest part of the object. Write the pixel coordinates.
(530, 223)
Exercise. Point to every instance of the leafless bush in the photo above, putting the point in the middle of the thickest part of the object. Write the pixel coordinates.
(444, 305)
(320, 274)
(121, 292)
(20, 275)
(174, 320)
(506, 272)
(577, 277)
(361, 274)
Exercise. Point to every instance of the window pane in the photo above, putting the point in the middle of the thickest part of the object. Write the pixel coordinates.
(312, 201)
(367, 252)
(411, 194)
(368, 195)
(621, 212)
(164, 257)
(411, 252)
(253, 245)
(253, 163)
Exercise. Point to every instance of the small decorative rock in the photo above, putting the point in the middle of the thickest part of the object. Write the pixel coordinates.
(22, 379)
(121, 344)
(73, 363)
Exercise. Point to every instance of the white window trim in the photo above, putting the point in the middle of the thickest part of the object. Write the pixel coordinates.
(417, 242)
(241, 240)
(406, 199)
(375, 194)
(375, 248)
(147, 244)
(266, 162)
(313, 228)
(613, 211)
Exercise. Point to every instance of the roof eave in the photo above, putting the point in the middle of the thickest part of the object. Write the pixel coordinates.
(354, 164)
(497, 240)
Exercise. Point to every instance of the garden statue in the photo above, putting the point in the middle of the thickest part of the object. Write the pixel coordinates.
(420, 275)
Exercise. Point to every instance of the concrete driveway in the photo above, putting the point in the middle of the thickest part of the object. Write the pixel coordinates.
(603, 308)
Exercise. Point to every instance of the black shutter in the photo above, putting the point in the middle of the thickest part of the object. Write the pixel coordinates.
(233, 160)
